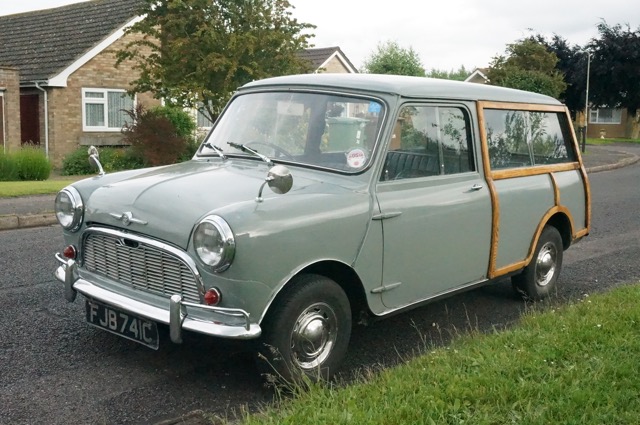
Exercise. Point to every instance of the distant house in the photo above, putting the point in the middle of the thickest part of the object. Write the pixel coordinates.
(479, 75)
(58, 83)
(328, 59)
(609, 123)
(59, 87)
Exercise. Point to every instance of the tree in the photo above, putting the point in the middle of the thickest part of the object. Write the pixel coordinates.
(615, 70)
(460, 75)
(572, 63)
(528, 66)
(196, 53)
(390, 58)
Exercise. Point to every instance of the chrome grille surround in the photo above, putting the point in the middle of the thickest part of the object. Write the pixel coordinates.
(141, 263)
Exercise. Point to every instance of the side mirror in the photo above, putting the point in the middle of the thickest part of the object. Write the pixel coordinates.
(94, 160)
(279, 179)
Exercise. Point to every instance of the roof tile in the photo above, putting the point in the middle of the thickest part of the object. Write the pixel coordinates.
(41, 44)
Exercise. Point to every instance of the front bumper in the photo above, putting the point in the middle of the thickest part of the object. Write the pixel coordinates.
(176, 316)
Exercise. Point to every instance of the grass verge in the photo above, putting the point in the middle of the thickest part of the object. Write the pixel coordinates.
(24, 188)
(598, 141)
(577, 364)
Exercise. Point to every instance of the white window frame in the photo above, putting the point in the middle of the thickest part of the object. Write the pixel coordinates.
(104, 101)
(616, 114)
(196, 114)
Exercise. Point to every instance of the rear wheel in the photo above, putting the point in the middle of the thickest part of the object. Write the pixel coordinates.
(307, 331)
(539, 278)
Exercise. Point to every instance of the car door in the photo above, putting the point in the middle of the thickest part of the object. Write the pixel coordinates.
(434, 206)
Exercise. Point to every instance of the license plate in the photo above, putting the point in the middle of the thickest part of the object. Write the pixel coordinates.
(126, 325)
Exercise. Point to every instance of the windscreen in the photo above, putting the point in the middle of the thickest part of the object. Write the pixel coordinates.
(318, 129)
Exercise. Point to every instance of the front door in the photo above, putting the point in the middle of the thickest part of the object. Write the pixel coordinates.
(435, 207)
(30, 118)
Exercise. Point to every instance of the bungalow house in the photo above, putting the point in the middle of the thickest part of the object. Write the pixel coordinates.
(59, 87)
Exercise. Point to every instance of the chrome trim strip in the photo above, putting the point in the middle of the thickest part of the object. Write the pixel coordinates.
(182, 255)
(385, 288)
(385, 216)
(435, 297)
(177, 322)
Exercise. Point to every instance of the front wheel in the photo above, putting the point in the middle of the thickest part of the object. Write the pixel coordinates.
(307, 331)
(539, 278)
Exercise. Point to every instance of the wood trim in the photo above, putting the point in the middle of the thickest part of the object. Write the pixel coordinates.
(491, 176)
(535, 170)
(556, 189)
(495, 203)
(581, 233)
(521, 106)
(585, 179)
(545, 219)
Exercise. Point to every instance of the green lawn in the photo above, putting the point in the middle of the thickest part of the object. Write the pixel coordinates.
(591, 141)
(577, 364)
(22, 188)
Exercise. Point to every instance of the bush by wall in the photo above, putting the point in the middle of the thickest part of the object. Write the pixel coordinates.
(8, 168)
(29, 163)
(111, 158)
(159, 136)
(77, 163)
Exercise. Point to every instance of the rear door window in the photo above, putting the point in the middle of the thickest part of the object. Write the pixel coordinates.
(527, 138)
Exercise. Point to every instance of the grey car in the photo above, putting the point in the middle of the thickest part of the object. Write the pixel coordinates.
(317, 199)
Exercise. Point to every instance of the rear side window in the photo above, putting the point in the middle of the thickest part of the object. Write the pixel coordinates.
(429, 141)
(527, 138)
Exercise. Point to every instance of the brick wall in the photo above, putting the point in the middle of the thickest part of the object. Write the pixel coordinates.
(65, 104)
(10, 81)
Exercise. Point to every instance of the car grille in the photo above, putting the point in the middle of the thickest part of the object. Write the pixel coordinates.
(140, 265)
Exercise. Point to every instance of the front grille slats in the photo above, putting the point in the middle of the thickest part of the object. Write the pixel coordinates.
(142, 266)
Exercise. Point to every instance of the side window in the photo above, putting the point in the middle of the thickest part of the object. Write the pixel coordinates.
(429, 141)
(525, 138)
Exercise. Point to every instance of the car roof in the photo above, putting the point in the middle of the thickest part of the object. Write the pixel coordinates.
(405, 86)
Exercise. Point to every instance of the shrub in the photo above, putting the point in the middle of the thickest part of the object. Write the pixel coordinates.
(77, 163)
(154, 137)
(181, 120)
(118, 159)
(32, 164)
(8, 167)
(111, 158)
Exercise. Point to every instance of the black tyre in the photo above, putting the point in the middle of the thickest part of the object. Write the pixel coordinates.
(306, 332)
(539, 278)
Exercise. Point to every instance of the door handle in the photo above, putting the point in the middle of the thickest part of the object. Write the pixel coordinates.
(476, 187)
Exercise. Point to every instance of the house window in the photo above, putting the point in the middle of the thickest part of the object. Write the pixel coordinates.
(605, 116)
(105, 109)
(203, 120)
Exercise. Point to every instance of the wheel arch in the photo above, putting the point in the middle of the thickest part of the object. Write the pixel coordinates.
(337, 271)
(562, 222)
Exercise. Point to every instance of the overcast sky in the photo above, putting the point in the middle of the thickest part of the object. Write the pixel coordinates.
(446, 34)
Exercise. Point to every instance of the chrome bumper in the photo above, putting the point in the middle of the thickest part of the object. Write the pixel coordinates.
(177, 317)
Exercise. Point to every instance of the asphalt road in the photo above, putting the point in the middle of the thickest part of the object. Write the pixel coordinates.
(54, 369)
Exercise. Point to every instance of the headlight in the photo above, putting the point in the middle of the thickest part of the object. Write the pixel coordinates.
(69, 208)
(214, 243)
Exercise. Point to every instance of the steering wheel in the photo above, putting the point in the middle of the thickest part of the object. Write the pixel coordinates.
(277, 150)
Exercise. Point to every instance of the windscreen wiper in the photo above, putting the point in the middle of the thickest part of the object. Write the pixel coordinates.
(215, 149)
(244, 148)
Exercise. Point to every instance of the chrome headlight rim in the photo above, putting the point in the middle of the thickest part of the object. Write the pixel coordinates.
(228, 244)
(77, 207)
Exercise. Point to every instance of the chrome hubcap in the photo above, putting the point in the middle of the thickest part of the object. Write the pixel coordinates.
(546, 264)
(314, 335)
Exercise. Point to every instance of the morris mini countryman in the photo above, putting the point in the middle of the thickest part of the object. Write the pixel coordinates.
(318, 198)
